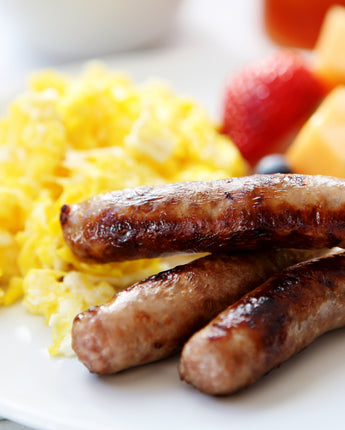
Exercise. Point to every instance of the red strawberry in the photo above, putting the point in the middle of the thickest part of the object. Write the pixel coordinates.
(266, 103)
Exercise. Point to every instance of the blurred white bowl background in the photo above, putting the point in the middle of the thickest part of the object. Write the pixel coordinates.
(85, 28)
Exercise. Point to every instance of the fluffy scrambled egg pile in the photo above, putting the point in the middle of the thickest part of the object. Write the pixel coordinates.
(66, 139)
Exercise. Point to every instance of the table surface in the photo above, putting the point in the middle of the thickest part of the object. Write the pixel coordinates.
(222, 27)
(10, 425)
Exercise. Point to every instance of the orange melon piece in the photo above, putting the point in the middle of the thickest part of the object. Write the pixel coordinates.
(329, 58)
(319, 147)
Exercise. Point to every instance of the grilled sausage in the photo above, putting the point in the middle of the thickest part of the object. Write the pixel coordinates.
(155, 317)
(266, 326)
(286, 211)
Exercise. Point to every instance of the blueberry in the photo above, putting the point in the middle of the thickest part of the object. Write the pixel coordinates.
(274, 163)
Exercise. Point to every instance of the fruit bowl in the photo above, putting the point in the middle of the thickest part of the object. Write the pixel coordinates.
(84, 28)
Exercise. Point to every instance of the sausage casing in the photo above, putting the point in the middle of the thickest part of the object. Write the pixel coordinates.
(266, 326)
(283, 211)
(153, 318)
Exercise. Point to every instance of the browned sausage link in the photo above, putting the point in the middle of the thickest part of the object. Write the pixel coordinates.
(155, 317)
(266, 326)
(286, 211)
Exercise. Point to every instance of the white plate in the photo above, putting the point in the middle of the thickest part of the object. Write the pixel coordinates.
(49, 393)
(46, 393)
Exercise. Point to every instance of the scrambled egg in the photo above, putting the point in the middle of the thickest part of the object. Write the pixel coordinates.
(66, 139)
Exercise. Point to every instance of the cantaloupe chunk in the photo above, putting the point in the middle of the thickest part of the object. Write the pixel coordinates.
(329, 52)
(319, 147)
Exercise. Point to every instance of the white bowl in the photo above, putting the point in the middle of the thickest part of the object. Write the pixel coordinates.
(84, 28)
